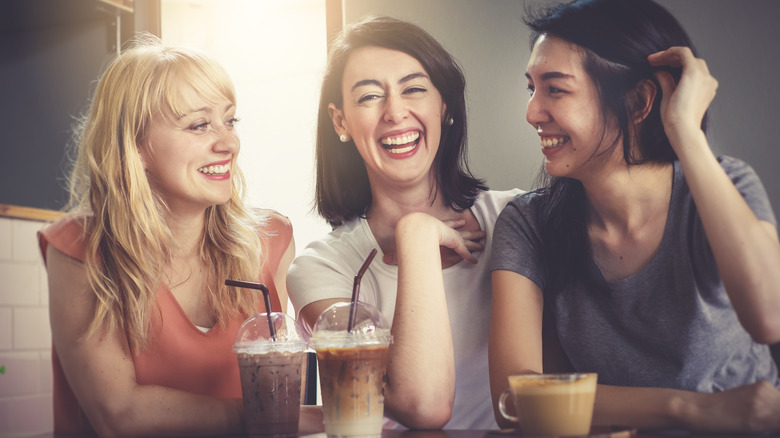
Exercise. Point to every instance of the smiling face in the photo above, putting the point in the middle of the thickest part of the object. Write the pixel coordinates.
(565, 108)
(393, 113)
(188, 156)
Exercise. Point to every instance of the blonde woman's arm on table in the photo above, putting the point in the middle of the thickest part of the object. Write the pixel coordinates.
(100, 370)
(746, 249)
(516, 348)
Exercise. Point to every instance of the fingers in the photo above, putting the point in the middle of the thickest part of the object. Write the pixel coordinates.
(672, 57)
(667, 82)
(454, 223)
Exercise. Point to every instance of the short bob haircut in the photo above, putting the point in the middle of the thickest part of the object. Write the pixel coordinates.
(343, 191)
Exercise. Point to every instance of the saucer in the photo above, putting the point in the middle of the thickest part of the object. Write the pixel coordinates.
(595, 432)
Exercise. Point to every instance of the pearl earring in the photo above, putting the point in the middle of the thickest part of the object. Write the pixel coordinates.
(344, 138)
(450, 121)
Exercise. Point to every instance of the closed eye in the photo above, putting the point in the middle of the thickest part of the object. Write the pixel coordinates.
(368, 97)
(412, 90)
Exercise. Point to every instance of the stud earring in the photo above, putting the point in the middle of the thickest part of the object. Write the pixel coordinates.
(344, 138)
(450, 121)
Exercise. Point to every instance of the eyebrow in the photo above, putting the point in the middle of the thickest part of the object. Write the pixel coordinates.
(207, 109)
(403, 80)
(552, 75)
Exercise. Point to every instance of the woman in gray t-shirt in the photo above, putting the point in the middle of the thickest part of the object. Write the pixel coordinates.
(656, 259)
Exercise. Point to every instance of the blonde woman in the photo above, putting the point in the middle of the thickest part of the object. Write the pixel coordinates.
(142, 323)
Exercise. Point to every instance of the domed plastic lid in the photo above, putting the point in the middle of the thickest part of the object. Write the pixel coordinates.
(331, 328)
(254, 335)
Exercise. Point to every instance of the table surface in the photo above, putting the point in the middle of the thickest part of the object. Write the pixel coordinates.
(507, 434)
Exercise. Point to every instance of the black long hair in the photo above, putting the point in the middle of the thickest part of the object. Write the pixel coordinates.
(615, 37)
(343, 191)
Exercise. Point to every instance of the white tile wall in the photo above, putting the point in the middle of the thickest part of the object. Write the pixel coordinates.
(25, 334)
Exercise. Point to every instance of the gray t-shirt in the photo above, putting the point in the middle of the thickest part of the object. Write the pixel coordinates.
(670, 325)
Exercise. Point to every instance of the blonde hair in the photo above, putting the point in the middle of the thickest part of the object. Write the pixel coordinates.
(128, 237)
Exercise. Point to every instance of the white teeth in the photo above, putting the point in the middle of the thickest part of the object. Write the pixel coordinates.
(401, 150)
(404, 139)
(215, 170)
(551, 142)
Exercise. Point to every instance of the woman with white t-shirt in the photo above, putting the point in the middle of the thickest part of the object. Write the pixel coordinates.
(392, 176)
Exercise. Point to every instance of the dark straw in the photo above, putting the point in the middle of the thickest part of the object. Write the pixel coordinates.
(266, 296)
(356, 290)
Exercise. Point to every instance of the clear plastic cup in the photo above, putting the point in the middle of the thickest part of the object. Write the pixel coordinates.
(270, 374)
(352, 368)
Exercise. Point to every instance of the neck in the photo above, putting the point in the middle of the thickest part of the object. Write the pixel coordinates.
(629, 196)
(186, 234)
(389, 206)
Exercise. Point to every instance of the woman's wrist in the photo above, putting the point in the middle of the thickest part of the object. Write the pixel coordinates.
(683, 409)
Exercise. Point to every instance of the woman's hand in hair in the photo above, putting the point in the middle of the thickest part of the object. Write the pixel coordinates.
(683, 104)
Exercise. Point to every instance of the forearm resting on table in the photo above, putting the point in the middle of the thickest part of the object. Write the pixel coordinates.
(421, 375)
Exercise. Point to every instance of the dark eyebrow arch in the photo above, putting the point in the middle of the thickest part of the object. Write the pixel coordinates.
(552, 75)
(404, 79)
(365, 82)
(411, 76)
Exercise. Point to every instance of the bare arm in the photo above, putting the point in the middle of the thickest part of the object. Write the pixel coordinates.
(100, 370)
(516, 348)
(746, 249)
(421, 363)
(280, 277)
(515, 345)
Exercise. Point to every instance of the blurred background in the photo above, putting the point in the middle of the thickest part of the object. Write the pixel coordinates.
(51, 52)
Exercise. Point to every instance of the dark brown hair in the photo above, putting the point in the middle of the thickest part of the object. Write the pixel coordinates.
(343, 191)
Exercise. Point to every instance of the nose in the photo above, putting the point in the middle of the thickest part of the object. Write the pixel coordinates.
(535, 112)
(225, 139)
(395, 109)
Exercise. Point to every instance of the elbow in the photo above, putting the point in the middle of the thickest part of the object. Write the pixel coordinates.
(765, 331)
(762, 324)
(425, 418)
(421, 414)
(114, 425)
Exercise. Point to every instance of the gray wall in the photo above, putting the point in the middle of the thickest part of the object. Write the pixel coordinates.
(738, 38)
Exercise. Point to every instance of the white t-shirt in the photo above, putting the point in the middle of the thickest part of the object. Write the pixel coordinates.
(327, 267)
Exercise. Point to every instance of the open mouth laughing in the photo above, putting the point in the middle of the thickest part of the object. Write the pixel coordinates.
(551, 142)
(402, 143)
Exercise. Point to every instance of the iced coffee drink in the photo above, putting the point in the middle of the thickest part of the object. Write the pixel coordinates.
(271, 388)
(352, 367)
(270, 373)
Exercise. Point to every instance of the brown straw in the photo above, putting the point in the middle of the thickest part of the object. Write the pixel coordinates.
(266, 296)
(356, 290)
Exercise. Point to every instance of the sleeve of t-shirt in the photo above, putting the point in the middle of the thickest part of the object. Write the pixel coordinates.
(516, 241)
(319, 273)
(749, 185)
